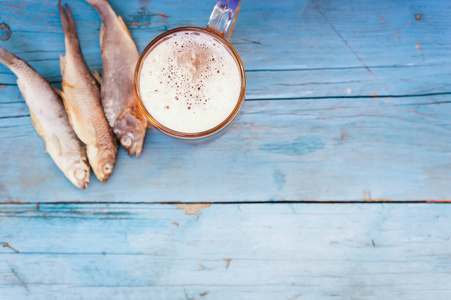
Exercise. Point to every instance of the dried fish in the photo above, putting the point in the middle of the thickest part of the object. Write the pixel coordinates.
(119, 57)
(81, 96)
(50, 120)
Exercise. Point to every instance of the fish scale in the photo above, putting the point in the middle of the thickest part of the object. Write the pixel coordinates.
(50, 120)
(119, 58)
(81, 96)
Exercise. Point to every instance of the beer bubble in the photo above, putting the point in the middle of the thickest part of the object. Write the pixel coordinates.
(193, 93)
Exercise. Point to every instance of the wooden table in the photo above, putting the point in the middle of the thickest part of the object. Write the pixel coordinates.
(334, 182)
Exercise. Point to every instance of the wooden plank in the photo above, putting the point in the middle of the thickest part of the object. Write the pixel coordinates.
(308, 84)
(349, 83)
(264, 251)
(312, 147)
(330, 149)
(330, 48)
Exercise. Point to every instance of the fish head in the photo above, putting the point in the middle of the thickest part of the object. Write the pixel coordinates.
(78, 173)
(130, 131)
(104, 163)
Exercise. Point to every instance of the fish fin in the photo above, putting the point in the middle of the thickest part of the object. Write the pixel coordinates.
(124, 26)
(57, 90)
(93, 133)
(59, 93)
(38, 126)
(102, 32)
(55, 141)
(97, 77)
(66, 104)
(22, 87)
(62, 64)
(67, 20)
(62, 95)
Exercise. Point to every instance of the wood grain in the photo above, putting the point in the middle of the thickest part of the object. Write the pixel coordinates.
(329, 149)
(346, 100)
(329, 48)
(246, 251)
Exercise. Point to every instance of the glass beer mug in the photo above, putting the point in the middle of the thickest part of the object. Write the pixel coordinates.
(190, 81)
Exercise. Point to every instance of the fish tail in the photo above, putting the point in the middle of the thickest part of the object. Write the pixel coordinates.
(103, 8)
(96, 3)
(67, 20)
(6, 57)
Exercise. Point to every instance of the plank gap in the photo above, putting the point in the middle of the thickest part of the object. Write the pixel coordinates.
(239, 202)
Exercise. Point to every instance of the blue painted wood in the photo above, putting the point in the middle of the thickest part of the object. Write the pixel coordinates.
(332, 42)
(316, 142)
(329, 149)
(284, 251)
(320, 123)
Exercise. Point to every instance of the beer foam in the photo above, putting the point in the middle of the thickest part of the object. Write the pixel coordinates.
(190, 82)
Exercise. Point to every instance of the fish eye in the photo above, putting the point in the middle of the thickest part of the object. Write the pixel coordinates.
(79, 173)
(108, 168)
(126, 141)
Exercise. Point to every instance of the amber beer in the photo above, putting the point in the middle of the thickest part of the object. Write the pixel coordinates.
(190, 81)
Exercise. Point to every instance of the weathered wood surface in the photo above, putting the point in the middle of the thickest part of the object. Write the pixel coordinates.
(360, 149)
(346, 101)
(322, 133)
(246, 251)
(313, 48)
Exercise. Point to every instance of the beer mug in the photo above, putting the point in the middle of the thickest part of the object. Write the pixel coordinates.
(190, 81)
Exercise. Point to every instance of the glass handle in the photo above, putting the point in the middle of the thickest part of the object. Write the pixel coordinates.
(223, 17)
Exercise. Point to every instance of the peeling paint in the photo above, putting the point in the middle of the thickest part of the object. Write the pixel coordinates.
(7, 245)
(192, 209)
(144, 4)
(228, 260)
(366, 195)
(162, 15)
(139, 23)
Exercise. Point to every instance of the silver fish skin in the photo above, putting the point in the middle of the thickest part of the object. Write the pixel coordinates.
(119, 58)
(50, 120)
(81, 96)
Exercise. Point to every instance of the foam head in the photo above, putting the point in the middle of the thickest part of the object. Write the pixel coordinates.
(190, 82)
